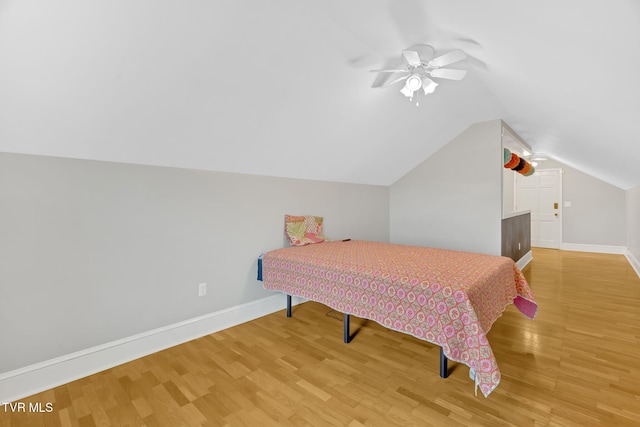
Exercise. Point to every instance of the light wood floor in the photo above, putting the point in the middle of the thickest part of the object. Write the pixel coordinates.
(575, 365)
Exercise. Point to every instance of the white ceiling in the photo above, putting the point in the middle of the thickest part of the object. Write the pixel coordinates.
(282, 87)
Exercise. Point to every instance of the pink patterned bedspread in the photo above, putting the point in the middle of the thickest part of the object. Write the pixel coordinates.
(448, 298)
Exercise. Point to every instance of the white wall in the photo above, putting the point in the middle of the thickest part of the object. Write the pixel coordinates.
(453, 199)
(92, 252)
(633, 225)
(597, 215)
(508, 191)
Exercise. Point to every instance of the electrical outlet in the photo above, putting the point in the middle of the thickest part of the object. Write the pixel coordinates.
(518, 246)
(202, 289)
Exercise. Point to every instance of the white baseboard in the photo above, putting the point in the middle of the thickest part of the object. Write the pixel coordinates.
(603, 249)
(633, 261)
(29, 380)
(526, 259)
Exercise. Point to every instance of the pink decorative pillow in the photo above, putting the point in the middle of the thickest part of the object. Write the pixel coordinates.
(303, 230)
(314, 238)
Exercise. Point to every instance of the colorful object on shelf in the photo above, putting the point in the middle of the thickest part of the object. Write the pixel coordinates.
(516, 163)
(507, 156)
(520, 165)
(513, 161)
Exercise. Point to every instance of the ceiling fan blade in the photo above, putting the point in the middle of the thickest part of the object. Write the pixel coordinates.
(425, 52)
(448, 58)
(412, 57)
(390, 82)
(387, 71)
(448, 73)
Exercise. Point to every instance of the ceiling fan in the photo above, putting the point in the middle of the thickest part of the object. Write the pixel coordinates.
(419, 66)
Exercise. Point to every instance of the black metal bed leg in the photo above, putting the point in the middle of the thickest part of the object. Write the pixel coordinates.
(444, 372)
(347, 335)
(288, 305)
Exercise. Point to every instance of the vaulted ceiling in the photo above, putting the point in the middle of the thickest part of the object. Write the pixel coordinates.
(282, 87)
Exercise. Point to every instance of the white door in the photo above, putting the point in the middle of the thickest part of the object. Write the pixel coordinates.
(541, 194)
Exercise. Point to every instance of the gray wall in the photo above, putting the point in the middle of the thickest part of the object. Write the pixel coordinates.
(91, 252)
(597, 215)
(633, 221)
(453, 199)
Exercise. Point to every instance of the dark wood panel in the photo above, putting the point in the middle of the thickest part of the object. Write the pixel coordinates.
(516, 236)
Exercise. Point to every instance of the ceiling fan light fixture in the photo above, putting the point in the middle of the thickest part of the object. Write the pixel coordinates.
(419, 66)
(406, 91)
(428, 85)
(413, 83)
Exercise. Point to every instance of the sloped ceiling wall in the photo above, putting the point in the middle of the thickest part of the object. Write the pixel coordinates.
(282, 87)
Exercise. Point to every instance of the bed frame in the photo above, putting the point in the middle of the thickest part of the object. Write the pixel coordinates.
(447, 298)
(444, 371)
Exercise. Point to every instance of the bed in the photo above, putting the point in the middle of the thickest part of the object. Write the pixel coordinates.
(449, 298)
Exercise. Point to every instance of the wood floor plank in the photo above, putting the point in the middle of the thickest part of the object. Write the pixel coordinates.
(575, 365)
